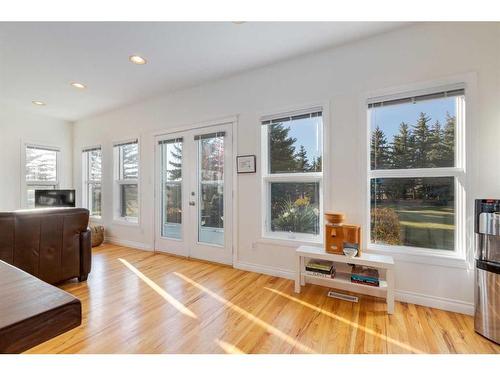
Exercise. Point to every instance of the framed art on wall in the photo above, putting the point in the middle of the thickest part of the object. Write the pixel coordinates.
(246, 164)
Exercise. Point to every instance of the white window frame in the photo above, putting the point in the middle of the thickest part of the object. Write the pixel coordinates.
(25, 184)
(86, 181)
(267, 178)
(118, 182)
(458, 172)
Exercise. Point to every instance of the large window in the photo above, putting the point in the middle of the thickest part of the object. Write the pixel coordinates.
(92, 175)
(416, 174)
(41, 171)
(293, 175)
(126, 156)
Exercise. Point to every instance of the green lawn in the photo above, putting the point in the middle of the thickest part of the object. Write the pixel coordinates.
(425, 225)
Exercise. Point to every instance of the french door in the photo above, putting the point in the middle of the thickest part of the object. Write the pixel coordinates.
(194, 193)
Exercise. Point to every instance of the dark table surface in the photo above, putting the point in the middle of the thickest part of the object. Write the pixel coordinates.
(32, 311)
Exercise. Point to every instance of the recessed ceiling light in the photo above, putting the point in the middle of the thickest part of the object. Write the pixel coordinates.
(136, 59)
(78, 85)
(38, 102)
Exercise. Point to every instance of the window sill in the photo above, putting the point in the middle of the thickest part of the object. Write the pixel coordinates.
(452, 260)
(96, 219)
(125, 222)
(288, 242)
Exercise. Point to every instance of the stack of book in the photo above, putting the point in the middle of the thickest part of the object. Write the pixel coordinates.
(320, 268)
(365, 275)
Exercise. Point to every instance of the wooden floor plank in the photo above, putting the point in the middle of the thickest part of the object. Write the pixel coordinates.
(139, 302)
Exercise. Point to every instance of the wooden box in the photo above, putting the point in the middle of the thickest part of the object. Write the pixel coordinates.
(337, 236)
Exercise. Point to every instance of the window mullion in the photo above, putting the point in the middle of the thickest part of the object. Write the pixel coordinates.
(293, 178)
(416, 172)
(42, 183)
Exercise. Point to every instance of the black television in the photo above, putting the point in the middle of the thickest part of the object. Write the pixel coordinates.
(54, 198)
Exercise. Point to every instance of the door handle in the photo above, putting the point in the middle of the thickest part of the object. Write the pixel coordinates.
(191, 203)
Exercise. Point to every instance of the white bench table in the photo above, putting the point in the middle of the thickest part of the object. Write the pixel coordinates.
(342, 279)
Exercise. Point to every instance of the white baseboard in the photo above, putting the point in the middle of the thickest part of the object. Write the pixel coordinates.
(436, 302)
(400, 295)
(266, 270)
(127, 243)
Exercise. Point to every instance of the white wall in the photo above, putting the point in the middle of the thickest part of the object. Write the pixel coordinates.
(16, 128)
(339, 77)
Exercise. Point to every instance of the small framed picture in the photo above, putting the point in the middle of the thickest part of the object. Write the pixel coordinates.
(246, 164)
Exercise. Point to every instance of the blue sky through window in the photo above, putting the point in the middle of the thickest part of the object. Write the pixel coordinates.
(308, 133)
(390, 117)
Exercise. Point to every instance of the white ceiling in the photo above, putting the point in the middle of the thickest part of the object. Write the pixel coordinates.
(39, 60)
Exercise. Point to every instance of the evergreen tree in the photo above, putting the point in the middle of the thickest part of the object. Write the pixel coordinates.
(212, 169)
(176, 162)
(436, 146)
(130, 157)
(301, 160)
(448, 149)
(95, 165)
(402, 148)
(401, 158)
(422, 139)
(281, 149)
(316, 165)
(379, 150)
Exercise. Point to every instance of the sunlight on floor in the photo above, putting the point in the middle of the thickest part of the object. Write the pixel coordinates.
(228, 348)
(248, 315)
(171, 300)
(346, 321)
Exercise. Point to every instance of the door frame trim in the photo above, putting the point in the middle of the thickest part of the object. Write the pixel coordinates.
(233, 122)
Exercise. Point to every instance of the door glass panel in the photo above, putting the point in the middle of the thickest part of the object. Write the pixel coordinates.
(211, 190)
(171, 188)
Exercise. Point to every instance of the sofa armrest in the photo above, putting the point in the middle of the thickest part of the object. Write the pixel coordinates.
(85, 254)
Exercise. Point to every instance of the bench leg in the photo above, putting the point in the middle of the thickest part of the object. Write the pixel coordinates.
(298, 270)
(302, 269)
(390, 291)
(83, 277)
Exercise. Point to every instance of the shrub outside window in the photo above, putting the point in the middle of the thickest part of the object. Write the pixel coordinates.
(293, 175)
(416, 173)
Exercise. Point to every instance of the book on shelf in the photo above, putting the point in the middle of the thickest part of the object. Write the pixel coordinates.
(365, 272)
(320, 264)
(365, 275)
(363, 278)
(320, 268)
(312, 269)
(321, 274)
(364, 282)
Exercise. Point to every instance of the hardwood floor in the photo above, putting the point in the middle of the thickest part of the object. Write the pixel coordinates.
(138, 302)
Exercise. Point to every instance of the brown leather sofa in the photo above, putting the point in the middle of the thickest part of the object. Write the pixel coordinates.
(52, 244)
